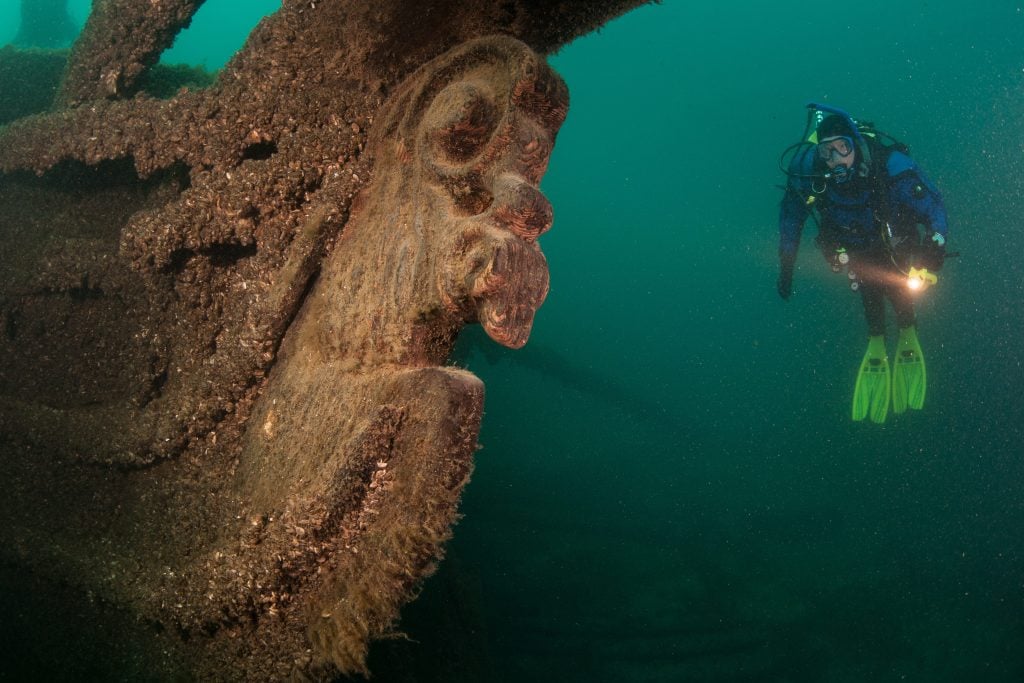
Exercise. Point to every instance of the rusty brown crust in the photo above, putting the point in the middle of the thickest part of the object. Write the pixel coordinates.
(121, 39)
(243, 298)
(269, 161)
(124, 37)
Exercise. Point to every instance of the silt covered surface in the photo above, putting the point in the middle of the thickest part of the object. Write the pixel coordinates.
(226, 424)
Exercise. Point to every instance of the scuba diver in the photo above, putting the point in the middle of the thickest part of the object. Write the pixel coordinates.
(870, 201)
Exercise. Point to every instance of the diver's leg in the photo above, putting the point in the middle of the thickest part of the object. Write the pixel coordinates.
(902, 304)
(873, 299)
(872, 390)
(909, 381)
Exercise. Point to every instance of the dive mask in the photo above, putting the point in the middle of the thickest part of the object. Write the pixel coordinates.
(833, 147)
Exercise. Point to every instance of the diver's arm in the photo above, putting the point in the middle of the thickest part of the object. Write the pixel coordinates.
(792, 214)
(918, 197)
(913, 191)
(795, 206)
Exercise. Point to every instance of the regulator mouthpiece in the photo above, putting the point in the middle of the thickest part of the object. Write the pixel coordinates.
(840, 174)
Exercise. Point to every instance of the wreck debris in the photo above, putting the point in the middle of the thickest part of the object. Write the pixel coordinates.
(232, 310)
(120, 41)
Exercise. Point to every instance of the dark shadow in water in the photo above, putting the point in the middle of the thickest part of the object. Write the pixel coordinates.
(53, 632)
(45, 24)
(474, 344)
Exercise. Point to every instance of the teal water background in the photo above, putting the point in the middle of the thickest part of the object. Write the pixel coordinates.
(670, 487)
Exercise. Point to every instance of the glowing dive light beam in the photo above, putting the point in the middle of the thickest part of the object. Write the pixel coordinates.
(919, 279)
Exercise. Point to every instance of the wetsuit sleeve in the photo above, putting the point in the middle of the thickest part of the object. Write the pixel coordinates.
(915, 195)
(792, 214)
(794, 210)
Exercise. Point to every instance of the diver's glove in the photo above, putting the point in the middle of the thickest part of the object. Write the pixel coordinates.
(785, 282)
(933, 253)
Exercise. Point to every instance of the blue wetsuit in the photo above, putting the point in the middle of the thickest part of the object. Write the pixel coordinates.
(853, 216)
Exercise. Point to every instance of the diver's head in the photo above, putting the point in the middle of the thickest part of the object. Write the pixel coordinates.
(836, 147)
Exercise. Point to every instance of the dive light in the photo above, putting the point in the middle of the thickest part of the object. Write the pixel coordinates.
(919, 279)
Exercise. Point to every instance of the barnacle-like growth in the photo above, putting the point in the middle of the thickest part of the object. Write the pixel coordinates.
(225, 408)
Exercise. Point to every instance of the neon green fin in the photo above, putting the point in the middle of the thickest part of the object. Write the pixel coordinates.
(908, 376)
(871, 394)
